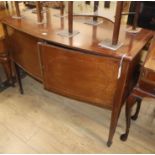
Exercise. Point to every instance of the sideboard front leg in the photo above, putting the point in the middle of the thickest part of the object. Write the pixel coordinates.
(118, 98)
(113, 124)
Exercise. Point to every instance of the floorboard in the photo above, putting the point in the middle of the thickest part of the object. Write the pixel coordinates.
(44, 122)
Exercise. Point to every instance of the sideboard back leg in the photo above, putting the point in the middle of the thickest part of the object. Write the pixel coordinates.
(130, 102)
(18, 78)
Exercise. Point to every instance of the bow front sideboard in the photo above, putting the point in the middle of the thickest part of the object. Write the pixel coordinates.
(77, 67)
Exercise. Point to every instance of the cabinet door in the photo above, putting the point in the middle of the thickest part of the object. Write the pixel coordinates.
(24, 51)
(79, 75)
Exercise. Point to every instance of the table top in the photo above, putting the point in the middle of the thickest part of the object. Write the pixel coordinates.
(88, 38)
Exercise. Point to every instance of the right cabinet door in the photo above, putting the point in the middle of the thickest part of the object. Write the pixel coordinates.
(83, 76)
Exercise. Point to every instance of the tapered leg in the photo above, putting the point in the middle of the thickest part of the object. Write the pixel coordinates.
(131, 100)
(113, 125)
(135, 116)
(19, 78)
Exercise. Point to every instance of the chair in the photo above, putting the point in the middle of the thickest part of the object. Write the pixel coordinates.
(144, 88)
(4, 61)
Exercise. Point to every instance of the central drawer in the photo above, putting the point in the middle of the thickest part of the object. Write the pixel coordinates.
(83, 76)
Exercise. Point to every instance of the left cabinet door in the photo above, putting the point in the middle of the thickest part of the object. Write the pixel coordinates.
(24, 52)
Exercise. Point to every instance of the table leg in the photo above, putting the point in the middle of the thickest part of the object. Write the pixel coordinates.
(113, 124)
(17, 69)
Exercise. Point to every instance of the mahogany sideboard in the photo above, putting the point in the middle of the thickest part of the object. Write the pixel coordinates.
(77, 67)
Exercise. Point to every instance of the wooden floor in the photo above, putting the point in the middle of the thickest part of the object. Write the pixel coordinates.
(43, 122)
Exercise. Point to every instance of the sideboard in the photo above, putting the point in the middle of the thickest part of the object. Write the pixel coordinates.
(77, 67)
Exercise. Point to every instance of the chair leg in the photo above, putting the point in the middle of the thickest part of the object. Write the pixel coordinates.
(130, 101)
(135, 116)
(19, 78)
(8, 72)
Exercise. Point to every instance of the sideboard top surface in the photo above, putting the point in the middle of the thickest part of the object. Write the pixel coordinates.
(88, 38)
